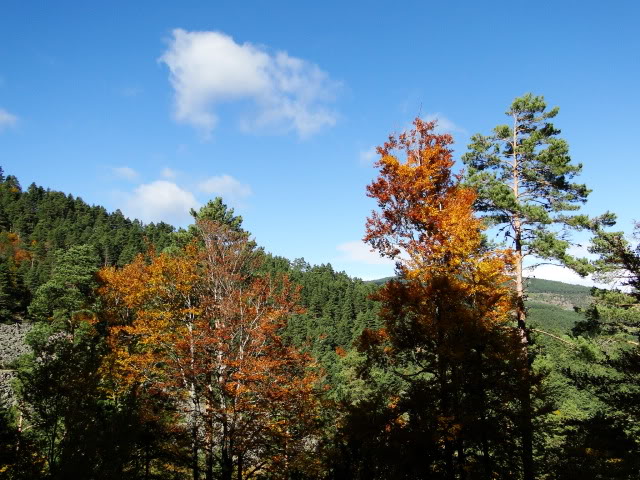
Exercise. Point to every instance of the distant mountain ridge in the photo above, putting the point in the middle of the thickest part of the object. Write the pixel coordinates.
(551, 304)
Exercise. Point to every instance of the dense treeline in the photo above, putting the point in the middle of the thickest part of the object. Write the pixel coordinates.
(192, 353)
(37, 223)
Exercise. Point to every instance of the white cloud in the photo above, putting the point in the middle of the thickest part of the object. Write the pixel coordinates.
(131, 91)
(168, 173)
(160, 201)
(558, 273)
(225, 186)
(368, 156)
(534, 267)
(444, 125)
(127, 173)
(580, 251)
(208, 68)
(7, 119)
(360, 252)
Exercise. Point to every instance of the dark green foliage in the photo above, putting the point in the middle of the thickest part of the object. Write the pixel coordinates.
(602, 439)
(598, 448)
(540, 285)
(70, 286)
(337, 309)
(524, 178)
(59, 383)
(80, 432)
(217, 211)
(36, 224)
(19, 458)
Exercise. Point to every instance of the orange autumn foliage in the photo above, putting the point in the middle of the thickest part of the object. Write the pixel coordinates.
(203, 327)
(445, 316)
(427, 221)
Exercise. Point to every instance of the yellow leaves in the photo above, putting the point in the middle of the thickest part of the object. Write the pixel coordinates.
(428, 217)
(426, 213)
(201, 325)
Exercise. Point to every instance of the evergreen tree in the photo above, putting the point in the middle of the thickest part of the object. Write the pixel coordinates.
(217, 211)
(524, 179)
(523, 176)
(606, 444)
(70, 287)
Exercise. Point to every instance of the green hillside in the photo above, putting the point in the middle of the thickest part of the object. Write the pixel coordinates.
(563, 295)
(53, 252)
(551, 304)
(540, 285)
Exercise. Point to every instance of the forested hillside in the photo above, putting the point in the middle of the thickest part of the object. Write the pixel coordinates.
(134, 351)
(36, 223)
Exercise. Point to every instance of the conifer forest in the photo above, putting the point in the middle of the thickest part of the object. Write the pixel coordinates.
(140, 351)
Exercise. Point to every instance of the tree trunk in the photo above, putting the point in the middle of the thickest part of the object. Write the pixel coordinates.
(147, 461)
(239, 467)
(462, 459)
(209, 472)
(208, 422)
(194, 452)
(227, 465)
(484, 441)
(445, 404)
(526, 412)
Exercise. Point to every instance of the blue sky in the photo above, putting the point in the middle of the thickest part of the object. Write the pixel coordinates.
(154, 107)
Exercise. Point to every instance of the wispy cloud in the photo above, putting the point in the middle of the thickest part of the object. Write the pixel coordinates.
(7, 119)
(368, 156)
(159, 201)
(168, 173)
(208, 68)
(558, 273)
(537, 268)
(444, 125)
(226, 187)
(359, 252)
(127, 173)
(131, 91)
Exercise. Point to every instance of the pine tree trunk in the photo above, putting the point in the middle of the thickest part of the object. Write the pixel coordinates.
(486, 456)
(209, 427)
(526, 409)
(209, 473)
(462, 459)
(147, 462)
(526, 412)
(227, 452)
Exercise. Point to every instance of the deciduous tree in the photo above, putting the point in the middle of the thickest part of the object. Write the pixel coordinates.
(202, 325)
(446, 318)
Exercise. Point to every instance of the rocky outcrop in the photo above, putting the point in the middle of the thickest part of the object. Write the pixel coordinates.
(12, 345)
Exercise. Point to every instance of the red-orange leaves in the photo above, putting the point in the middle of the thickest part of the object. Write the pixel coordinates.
(425, 213)
(443, 318)
(202, 326)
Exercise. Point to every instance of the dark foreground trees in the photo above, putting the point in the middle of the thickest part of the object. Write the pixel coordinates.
(450, 357)
(201, 327)
(606, 443)
(523, 176)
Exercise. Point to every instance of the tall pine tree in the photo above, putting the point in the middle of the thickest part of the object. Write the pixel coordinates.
(523, 176)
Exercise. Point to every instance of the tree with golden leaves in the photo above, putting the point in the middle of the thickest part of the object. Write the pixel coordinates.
(445, 318)
(202, 326)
